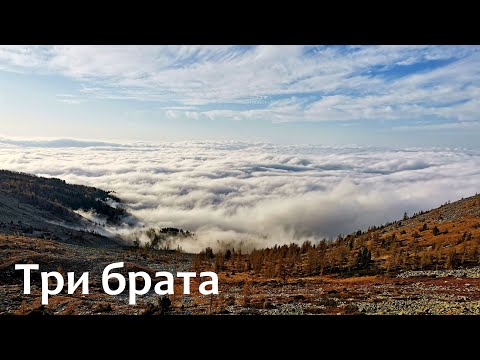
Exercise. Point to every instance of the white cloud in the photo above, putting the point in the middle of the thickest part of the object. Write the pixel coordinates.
(257, 194)
(347, 82)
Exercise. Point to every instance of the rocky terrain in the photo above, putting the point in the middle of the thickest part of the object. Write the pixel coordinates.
(30, 206)
(473, 272)
(429, 292)
(365, 295)
(55, 256)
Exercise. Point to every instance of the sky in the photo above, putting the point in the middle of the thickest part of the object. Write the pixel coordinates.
(399, 96)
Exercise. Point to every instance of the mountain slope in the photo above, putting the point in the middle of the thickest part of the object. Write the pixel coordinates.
(447, 237)
(57, 196)
(45, 207)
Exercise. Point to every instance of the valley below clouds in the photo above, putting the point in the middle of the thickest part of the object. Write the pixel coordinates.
(255, 194)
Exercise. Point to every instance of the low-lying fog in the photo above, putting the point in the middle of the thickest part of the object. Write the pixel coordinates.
(255, 193)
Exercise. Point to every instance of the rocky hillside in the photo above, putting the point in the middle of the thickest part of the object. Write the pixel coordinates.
(58, 197)
(447, 237)
(45, 208)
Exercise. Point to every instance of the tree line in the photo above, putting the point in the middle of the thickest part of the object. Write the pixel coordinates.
(369, 252)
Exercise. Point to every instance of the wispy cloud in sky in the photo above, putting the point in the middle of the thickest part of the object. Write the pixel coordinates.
(439, 84)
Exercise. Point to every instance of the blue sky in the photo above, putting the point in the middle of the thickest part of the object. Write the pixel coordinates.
(378, 95)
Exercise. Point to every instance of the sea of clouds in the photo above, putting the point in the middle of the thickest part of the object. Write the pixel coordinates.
(255, 194)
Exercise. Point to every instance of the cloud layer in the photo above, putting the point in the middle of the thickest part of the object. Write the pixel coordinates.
(256, 194)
